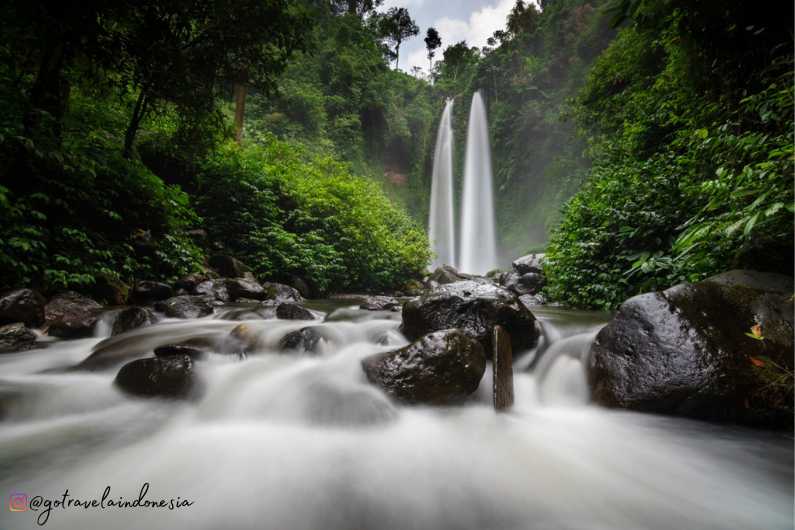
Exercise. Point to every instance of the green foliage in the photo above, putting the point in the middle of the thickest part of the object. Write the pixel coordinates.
(294, 213)
(692, 175)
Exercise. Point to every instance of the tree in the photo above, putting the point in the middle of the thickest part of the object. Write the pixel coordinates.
(184, 53)
(357, 8)
(398, 26)
(432, 42)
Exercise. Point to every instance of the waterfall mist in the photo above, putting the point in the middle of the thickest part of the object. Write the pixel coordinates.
(441, 224)
(478, 241)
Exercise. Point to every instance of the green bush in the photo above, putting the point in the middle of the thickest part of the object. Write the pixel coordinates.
(287, 213)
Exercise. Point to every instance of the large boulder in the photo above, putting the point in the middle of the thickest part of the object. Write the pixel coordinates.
(695, 350)
(305, 340)
(474, 308)
(169, 377)
(241, 288)
(71, 315)
(522, 284)
(22, 305)
(179, 350)
(380, 303)
(293, 311)
(147, 292)
(215, 289)
(278, 292)
(528, 263)
(228, 266)
(109, 290)
(16, 337)
(186, 306)
(441, 368)
(131, 318)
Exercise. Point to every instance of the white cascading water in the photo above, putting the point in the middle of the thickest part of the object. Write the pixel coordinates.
(441, 223)
(478, 239)
(291, 441)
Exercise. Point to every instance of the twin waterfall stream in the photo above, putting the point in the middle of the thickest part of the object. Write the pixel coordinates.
(478, 240)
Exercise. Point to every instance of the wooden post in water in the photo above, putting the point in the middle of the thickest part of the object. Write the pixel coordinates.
(502, 358)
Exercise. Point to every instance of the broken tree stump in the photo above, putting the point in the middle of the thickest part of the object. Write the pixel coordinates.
(502, 359)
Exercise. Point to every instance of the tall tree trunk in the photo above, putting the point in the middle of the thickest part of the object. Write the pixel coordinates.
(240, 109)
(397, 55)
(50, 93)
(139, 111)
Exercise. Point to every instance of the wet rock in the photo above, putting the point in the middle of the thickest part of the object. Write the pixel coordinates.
(16, 337)
(293, 311)
(241, 340)
(530, 300)
(179, 350)
(147, 292)
(305, 340)
(22, 305)
(685, 351)
(521, 284)
(169, 377)
(529, 263)
(241, 288)
(228, 266)
(380, 303)
(474, 308)
(188, 283)
(446, 274)
(441, 368)
(186, 306)
(71, 315)
(132, 318)
(110, 290)
(278, 292)
(215, 289)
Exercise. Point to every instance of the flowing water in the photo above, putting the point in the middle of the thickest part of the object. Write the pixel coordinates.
(291, 441)
(478, 239)
(441, 224)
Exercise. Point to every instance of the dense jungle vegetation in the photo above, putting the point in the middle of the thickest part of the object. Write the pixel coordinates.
(640, 142)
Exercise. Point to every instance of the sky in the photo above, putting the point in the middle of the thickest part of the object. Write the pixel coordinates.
(471, 20)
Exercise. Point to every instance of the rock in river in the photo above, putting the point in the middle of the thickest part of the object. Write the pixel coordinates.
(146, 292)
(16, 337)
(186, 306)
(71, 315)
(132, 318)
(441, 368)
(473, 307)
(22, 305)
(170, 377)
(293, 311)
(711, 350)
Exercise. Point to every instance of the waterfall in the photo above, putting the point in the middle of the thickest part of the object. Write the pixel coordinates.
(478, 245)
(441, 225)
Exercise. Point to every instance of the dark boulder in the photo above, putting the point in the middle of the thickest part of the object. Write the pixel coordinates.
(293, 311)
(529, 263)
(521, 284)
(132, 318)
(228, 266)
(146, 292)
(240, 288)
(278, 292)
(178, 350)
(215, 289)
(109, 290)
(170, 377)
(305, 340)
(380, 303)
(694, 350)
(473, 307)
(16, 337)
(22, 305)
(441, 368)
(186, 306)
(188, 283)
(71, 315)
